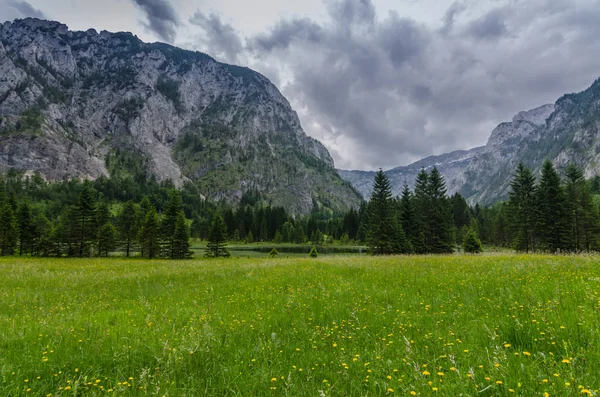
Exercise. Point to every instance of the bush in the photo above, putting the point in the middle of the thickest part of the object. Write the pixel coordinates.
(274, 253)
(313, 252)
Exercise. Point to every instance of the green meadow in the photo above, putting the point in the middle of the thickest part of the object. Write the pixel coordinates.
(495, 325)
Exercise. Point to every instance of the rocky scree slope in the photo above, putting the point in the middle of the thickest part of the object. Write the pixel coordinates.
(565, 132)
(70, 101)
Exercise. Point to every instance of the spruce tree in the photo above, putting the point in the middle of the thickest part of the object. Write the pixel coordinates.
(420, 233)
(552, 216)
(25, 228)
(127, 226)
(8, 229)
(217, 239)
(169, 221)
(582, 214)
(41, 236)
(85, 218)
(181, 239)
(149, 235)
(107, 239)
(522, 209)
(381, 226)
(407, 217)
(440, 238)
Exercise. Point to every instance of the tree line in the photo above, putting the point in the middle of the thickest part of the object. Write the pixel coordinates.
(139, 216)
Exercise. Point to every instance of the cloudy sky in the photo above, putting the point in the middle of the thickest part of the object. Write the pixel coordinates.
(381, 83)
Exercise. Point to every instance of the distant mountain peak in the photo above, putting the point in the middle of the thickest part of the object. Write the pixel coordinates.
(565, 132)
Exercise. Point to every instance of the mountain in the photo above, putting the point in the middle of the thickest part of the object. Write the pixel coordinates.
(82, 104)
(565, 132)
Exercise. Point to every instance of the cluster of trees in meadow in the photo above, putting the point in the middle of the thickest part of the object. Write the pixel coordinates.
(552, 215)
(91, 227)
(420, 221)
(138, 216)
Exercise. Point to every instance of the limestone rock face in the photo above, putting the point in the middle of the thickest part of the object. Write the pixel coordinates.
(69, 99)
(565, 132)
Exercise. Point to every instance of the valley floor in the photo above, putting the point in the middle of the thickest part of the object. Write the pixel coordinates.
(340, 325)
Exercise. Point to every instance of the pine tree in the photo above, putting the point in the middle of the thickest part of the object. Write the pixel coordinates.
(400, 244)
(583, 217)
(381, 227)
(25, 228)
(169, 221)
(41, 236)
(287, 232)
(217, 239)
(420, 234)
(127, 226)
(552, 216)
(407, 217)
(181, 239)
(107, 239)
(471, 244)
(440, 239)
(263, 233)
(149, 235)
(85, 218)
(249, 237)
(522, 208)
(299, 236)
(8, 230)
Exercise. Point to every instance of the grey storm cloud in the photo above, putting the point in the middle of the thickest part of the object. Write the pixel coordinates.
(491, 26)
(450, 16)
(162, 18)
(220, 39)
(26, 9)
(383, 91)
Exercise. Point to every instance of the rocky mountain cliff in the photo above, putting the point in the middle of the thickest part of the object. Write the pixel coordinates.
(72, 101)
(566, 132)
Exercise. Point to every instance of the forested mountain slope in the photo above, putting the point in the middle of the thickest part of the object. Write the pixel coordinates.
(73, 104)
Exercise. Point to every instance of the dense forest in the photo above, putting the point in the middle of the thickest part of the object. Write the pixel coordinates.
(137, 216)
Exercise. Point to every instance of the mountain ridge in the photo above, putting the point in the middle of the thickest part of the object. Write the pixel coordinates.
(567, 131)
(71, 99)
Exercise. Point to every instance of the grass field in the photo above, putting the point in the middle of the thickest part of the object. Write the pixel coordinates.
(341, 325)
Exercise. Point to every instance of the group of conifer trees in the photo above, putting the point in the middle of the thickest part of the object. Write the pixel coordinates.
(417, 222)
(88, 228)
(551, 215)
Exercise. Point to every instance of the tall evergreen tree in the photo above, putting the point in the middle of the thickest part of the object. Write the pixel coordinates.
(407, 217)
(552, 216)
(421, 223)
(41, 236)
(440, 238)
(522, 208)
(85, 218)
(381, 226)
(8, 229)
(25, 227)
(217, 239)
(181, 239)
(169, 221)
(127, 226)
(107, 239)
(583, 216)
(149, 235)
